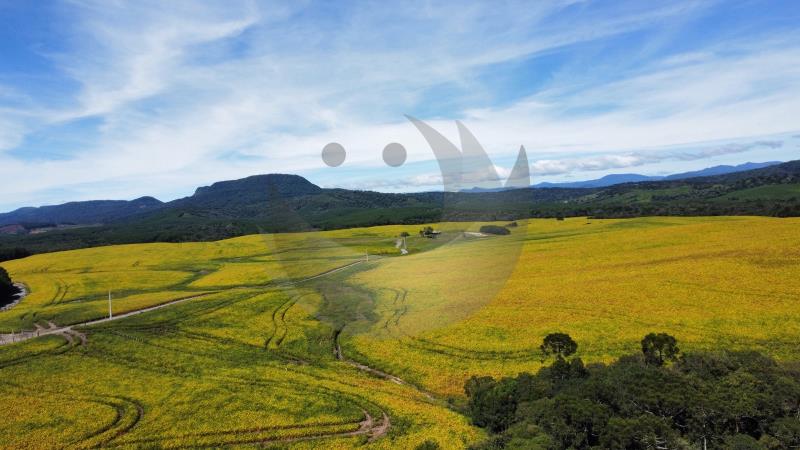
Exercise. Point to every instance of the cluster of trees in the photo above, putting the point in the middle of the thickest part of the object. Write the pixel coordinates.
(7, 254)
(623, 208)
(656, 399)
(428, 232)
(495, 229)
(7, 289)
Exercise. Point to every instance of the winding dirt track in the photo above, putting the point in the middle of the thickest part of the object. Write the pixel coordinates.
(40, 331)
(337, 351)
(369, 426)
(8, 338)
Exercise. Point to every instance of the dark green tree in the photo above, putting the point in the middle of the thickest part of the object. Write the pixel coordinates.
(643, 432)
(7, 288)
(787, 431)
(492, 404)
(561, 369)
(742, 442)
(476, 385)
(709, 400)
(559, 345)
(659, 348)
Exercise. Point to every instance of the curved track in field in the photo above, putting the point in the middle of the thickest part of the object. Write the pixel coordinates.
(368, 426)
(129, 412)
(8, 338)
(337, 352)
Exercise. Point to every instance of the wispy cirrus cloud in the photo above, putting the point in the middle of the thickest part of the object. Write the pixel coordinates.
(635, 159)
(228, 89)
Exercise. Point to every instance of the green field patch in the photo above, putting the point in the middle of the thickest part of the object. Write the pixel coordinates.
(769, 192)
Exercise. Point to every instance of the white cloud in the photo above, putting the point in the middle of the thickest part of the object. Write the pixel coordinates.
(180, 86)
(636, 159)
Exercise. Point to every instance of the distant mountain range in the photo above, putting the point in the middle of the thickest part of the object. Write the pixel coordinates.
(219, 195)
(610, 180)
(280, 202)
(73, 213)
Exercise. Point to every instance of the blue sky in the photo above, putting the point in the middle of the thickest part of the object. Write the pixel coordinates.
(123, 99)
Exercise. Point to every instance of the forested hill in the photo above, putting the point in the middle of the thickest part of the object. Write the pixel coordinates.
(278, 203)
(73, 213)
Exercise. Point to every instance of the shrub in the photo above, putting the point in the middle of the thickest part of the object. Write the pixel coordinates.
(428, 445)
(494, 229)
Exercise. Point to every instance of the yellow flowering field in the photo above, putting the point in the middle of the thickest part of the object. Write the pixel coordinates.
(732, 282)
(259, 338)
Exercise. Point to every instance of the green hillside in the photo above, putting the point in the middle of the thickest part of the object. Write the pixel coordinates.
(284, 203)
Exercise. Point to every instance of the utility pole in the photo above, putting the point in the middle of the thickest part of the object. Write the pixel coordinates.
(109, 304)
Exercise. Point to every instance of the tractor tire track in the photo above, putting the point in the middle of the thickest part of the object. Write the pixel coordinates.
(339, 355)
(279, 322)
(130, 412)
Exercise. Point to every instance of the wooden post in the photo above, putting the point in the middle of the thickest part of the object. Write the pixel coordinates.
(109, 304)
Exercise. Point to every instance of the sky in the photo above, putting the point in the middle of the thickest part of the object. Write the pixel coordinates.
(117, 100)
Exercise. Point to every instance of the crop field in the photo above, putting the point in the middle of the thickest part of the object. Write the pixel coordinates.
(298, 340)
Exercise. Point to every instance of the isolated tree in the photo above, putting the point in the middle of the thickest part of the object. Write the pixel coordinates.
(658, 348)
(404, 234)
(559, 345)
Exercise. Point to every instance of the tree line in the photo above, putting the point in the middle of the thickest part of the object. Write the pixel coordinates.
(659, 398)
